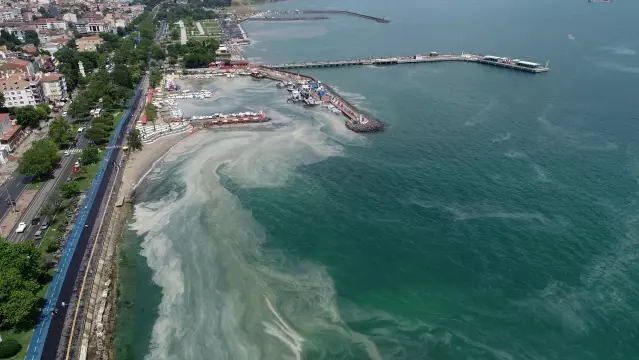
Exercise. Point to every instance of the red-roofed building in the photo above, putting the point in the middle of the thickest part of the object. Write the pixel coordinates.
(30, 49)
(10, 133)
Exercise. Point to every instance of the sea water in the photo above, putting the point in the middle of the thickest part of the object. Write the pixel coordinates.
(496, 218)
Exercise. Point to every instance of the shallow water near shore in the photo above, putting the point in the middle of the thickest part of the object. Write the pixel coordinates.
(495, 219)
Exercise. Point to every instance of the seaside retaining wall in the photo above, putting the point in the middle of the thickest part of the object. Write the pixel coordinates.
(36, 345)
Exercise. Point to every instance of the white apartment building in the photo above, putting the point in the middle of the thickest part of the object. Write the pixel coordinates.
(10, 14)
(20, 90)
(54, 87)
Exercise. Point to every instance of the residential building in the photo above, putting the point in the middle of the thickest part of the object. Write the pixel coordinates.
(89, 43)
(70, 17)
(21, 90)
(27, 16)
(11, 135)
(52, 47)
(50, 24)
(18, 66)
(54, 87)
(96, 27)
(10, 14)
(20, 30)
(50, 35)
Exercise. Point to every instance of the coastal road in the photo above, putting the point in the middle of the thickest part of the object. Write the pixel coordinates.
(32, 211)
(56, 329)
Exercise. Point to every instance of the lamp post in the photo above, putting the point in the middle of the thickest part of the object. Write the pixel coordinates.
(11, 202)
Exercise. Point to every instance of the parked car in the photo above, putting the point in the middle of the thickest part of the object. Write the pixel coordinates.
(35, 220)
(37, 235)
(44, 226)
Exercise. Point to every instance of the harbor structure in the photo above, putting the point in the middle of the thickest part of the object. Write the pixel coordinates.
(263, 14)
(514, 64)
(356, 120)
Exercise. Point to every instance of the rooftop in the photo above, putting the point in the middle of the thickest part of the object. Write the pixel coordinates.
(8, 135)
(90, 38)
(51, 77)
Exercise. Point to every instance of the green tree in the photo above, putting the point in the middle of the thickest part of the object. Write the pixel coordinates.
(134, 139)
(90, 155)
(69, 189)
(175, 34)
(1, 99)
(19, 307)
(21, 256)
(151, 114)
(157, 52)
(31, 37)
(122, 75)
(60, 132)
(28, 116)
(154, 78)
(40, 159)
(43, 110)
(98, 134)
(11, 280)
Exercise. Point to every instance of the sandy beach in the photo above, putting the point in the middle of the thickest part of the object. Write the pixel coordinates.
(141, 162)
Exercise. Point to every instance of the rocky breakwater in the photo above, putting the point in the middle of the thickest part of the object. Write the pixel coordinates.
(372, 125)
(356, 120)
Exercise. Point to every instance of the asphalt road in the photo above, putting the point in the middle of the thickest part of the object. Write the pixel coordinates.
(11, 189)
(15, 185)
(57, 322)
(56, 327)
(50, 187)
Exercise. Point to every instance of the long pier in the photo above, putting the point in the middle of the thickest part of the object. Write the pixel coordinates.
(320, 12)
(515, 64)
(298, 18)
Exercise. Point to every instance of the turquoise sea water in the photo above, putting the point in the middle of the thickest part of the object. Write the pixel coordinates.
(495, 219)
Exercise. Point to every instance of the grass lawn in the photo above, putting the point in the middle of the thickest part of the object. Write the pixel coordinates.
(85, 180)
(116, 118)
(34, 185)
(23, 337)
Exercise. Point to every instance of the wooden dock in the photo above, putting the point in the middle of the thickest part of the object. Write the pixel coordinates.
(384, 61)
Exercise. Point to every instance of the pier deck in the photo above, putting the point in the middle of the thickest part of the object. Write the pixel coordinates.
(487, 60)
(319, 12)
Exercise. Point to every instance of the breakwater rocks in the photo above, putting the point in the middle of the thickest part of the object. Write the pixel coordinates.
(373, 125)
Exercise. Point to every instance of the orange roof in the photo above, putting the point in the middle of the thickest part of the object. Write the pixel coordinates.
(51, 77)
(4, 116)
(62, 41)
(7, 136)
(90, 38)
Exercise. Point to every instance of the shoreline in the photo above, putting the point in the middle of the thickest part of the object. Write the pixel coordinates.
(137, 166)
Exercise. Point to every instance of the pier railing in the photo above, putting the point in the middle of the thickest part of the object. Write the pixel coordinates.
(415, 59)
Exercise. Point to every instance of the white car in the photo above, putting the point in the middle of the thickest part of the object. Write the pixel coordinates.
(64, 113)
(21, 227)
(81, 129)
(66, 153)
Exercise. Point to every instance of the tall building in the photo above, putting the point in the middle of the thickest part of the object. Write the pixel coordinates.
(21, 90)
(89, 43)
(54, 87)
